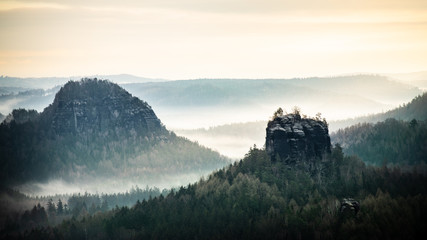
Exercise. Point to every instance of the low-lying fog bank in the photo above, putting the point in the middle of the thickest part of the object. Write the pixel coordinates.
(103, 186)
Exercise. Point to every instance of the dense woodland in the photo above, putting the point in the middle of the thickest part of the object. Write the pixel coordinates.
(43, 211)
(390, 142)
(42, 156)
(95, 129)
(256, 198)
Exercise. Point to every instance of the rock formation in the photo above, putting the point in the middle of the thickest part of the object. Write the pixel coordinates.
(93, 105)
(349, 207)
(294, 139)
(95, 129)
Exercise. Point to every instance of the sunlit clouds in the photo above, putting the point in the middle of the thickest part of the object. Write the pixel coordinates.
(216, 38)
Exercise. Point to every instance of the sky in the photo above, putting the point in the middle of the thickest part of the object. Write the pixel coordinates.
(187, 39)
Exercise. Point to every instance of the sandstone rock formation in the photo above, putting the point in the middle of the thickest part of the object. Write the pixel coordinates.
(94, 129)
(93, 105)
(294, 139)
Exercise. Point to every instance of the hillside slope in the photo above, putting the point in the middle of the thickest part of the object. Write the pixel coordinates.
(388, 142)
(257, 198)
(94, 129)
(415, 109)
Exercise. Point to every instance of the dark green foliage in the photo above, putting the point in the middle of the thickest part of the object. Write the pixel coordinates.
(79, 207)
(259, 199)
(60, 208)
(389, 142)
(95, 129)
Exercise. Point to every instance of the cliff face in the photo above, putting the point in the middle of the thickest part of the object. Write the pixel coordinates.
(296, 139)
(93, 105)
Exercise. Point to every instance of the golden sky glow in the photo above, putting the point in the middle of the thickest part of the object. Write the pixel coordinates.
(178, 39)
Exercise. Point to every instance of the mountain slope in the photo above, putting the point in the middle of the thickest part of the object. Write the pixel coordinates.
(213, 102)
(257, 198)
(416, 109)
(94, 129)
(264, 198)
(388, 142)
(375, 87)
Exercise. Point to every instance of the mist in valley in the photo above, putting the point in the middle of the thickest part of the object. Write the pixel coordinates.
(198, 109)
(231, 119)
(216, 119)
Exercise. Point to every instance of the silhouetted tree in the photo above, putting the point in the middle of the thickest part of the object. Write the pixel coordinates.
(60, 207)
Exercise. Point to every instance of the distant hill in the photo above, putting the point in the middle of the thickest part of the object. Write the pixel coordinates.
(37, 99)
(235, 138)
(239, 91)
(418, 79)
(375, 87)
(96, 129)
(416, 109)
(38, 93)
(50, 82)
(211, 102)
(232, 140)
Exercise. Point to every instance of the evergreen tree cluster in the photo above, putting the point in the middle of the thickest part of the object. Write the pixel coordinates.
(48, 212)
(96, 129)
(390, 142)
(32, 154)
(257, 198)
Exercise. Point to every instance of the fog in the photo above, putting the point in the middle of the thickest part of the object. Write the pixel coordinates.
(194, 118)
(234, 147)
(104, 185)
(228, 116)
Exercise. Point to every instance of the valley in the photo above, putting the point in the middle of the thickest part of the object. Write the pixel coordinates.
(216, 119)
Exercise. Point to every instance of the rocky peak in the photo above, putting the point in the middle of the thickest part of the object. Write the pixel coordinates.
(93, 105)
(295, 139)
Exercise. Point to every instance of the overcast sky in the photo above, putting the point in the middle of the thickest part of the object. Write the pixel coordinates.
(180, 39)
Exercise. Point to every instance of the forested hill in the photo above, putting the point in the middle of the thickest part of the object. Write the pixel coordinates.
(257, 198)
(94, 129)
(389, 142)
(416, 109)
(299, 196)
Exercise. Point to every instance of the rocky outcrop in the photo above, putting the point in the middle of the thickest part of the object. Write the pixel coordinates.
(95, 129)
(93, 105)
(295, 139)
(349, 207)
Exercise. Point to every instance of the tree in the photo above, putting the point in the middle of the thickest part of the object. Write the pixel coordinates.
(60, 208)
(296, 110)
(278, 113)
(413, 124)
(51, 209)
(104, 205)
(318, 116)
